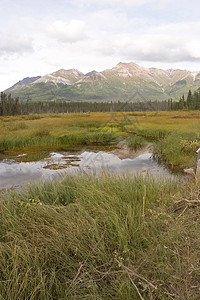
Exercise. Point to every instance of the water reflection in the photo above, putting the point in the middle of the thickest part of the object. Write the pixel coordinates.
(14, 172)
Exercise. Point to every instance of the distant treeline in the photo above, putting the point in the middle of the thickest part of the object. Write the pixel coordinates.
(191, 102)
(13, 106)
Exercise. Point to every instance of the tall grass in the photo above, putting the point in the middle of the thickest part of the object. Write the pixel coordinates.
(136, 142)
(88, 237)
(42, 138)
(153, 134)
(174, 149)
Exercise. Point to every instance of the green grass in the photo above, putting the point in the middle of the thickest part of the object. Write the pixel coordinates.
(136, 142)
(178, 149)
(42, 138)
(106, 237)
(154, 134)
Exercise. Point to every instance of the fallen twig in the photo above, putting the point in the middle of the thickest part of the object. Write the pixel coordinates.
(135, 286)
(82, 264)
(131, 272)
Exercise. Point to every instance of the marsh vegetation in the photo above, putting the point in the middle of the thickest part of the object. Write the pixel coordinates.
(107, 236)
(175, 135)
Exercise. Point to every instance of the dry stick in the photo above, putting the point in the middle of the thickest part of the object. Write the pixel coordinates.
(84, 262)
(135, 287)
(79, 271)
(188, 265)
(108, 272)
(150, 294)
(177, 252)
(171, 296)
(128, 272)
(192, 202)
(182, 212)
(177, 292)
(131, 272)
(143, 204)
(186, 275)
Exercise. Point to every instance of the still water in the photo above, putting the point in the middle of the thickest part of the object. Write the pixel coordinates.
(15, 171)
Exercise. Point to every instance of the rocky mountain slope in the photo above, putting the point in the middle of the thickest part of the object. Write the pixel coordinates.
(23, 83)
(126, 81)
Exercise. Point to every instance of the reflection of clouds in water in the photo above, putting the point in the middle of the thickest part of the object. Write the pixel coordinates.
(109, 161)
(98, 159)
(144, 156)
(18, 173)
(13, 173)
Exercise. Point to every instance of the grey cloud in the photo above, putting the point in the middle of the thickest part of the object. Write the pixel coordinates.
(120, 3)
(167, 57)
(165, 44)
(179, 54)
(11, 44)
(67, 32)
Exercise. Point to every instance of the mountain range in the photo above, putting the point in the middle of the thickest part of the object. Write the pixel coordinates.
(125, 81)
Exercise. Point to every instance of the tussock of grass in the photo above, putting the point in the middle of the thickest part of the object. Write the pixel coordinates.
(33, 117)
(154, 134)
(42, 132)
(95, 138)
(42, 138)
(88, 237)
(136, 142)
(171, 150)
(12, 142)
(14, 126)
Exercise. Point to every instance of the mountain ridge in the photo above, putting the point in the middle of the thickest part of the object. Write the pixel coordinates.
(23, 82)
(114, 84)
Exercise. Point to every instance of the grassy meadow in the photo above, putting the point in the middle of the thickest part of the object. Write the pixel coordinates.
(102, 237)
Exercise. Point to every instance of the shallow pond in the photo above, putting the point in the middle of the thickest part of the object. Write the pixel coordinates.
(15, 171)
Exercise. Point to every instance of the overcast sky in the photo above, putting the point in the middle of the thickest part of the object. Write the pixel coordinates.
(39, 37)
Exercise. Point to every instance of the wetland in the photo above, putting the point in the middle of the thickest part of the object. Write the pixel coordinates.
(114, 224)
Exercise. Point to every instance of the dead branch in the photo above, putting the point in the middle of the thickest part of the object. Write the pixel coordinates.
(135, 286)
(130, 272)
